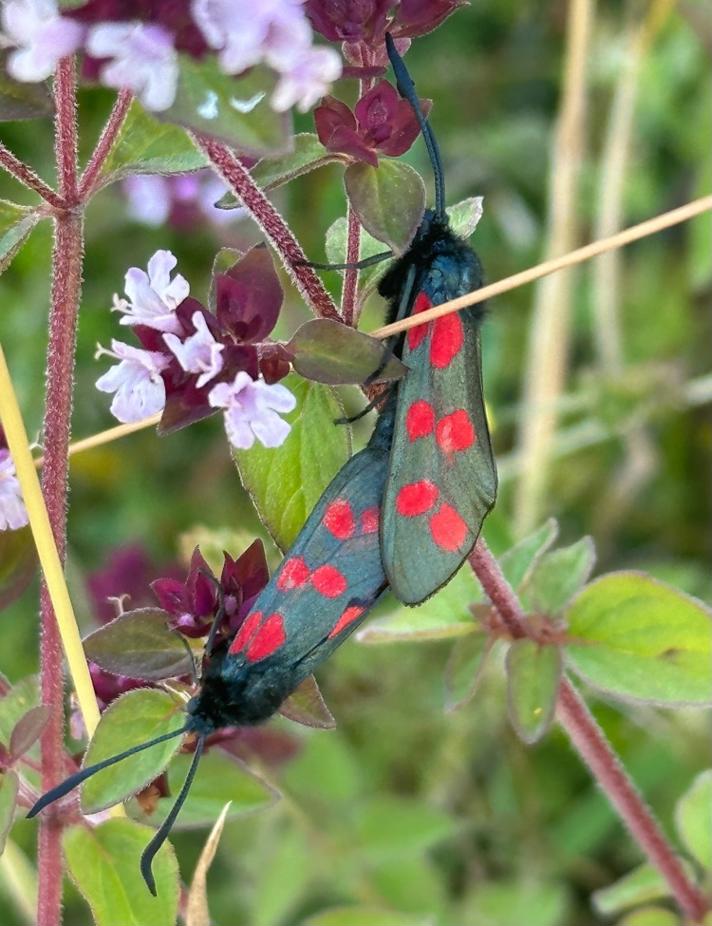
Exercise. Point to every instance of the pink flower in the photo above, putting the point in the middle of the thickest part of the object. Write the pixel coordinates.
(143, 60)
(199, 353)
(136, 380)
(13, 514)
(153, 297)
(251, 410)
(41, 37)
(306, 79)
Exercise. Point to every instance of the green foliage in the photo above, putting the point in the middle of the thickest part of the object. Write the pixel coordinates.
(464, 669)
(388, 200)
(639, 886)
(16, 223)
(638, 639)
(103, 862)
(22, 100)
(285, 482)
(139, 644)
(557, 577)
(9, 784)
(133, 718)
(18, 563)
(358, 916)
(533, 676)
(693, 819)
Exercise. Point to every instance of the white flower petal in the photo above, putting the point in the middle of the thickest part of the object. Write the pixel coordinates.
(13, 513)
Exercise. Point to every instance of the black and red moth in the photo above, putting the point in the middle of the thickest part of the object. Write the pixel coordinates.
(321, 592)
(442, 480)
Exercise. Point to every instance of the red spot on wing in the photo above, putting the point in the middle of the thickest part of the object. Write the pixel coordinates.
(416, 498)
(419, 419)
(448, 529)
(416, 335)
(369, 520)
(455, 432)
(348, 617)
(246, 632)
(268, 640)
(329, 581)
(294, 572)
(447, 340)
(339, 519)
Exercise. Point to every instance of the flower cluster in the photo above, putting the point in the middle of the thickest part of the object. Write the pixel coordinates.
(192, 361)
(181, 200)
(381, 123)
(13, 514)
(135, 44)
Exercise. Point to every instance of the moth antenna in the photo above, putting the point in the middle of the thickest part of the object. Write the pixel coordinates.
(70, 783)
(155, 844)
(406, 88)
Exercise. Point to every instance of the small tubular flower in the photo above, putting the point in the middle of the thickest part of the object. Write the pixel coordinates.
(40, 36)
(153, 296)
(252, 410)
(13, 513)
(198, 353)
(136, 380)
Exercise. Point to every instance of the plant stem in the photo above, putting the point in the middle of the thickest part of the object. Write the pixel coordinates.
(353, 246)
(107, 138)
(590, 742)
(20, 171)
(272, 224)
(66, 285)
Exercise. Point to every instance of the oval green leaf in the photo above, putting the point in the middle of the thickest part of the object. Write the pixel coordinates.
(16, 223)
(146, 146)
(693, 819)
(18, 563)
(330, 352)
(639, 886)
(139, 644)
(465, 669)
(9, 785)
(389, 200)
(558, 576)
(286, 482)
(221, 779)
(103, 862)
(641, 640)
(235, 110)
(27, 730)
(533, 676)
(133, 718)
(22, 697)
(519, 561)
(308, 154)
(651, 916)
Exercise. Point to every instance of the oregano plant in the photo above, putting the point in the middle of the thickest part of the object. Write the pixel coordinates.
(201, 132)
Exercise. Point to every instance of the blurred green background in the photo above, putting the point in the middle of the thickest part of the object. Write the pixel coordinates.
(402, 807)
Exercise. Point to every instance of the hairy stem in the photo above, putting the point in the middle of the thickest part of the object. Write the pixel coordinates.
(590, 742)
(272, 224)
(66, 284)
(20, 171)
(353, 246)
(107, 138)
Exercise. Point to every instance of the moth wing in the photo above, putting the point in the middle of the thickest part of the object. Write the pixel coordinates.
(442, 479)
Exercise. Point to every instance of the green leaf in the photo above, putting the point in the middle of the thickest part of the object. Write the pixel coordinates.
(365, 916)
(18, 563)
(133, 718)
(387, 827)
(28, 729)
(9, 785)
(103, 862)
(306, 705)
(16, 223)
(389, 200)
(465, 669)
(21, 99)
(638, 886)
(139, 644)
(693, 819)
(330, 352)
(641, 640)
(533, 676)
(308, 154)
(558, 576)
(235, 110)
(284, 867)
(23, 696)
(651, 916)
(519, 902)
(465, 216)
(146, 146)
(519, 561)
(286, 482)
(221, 779)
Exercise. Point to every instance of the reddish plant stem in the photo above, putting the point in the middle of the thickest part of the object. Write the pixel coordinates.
(272, 224)
(104, 145)
(20, 171)
(66, 285)
(592, 745)
(353, 246)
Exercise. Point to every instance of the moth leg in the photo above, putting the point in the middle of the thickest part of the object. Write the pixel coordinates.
(356, 265)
